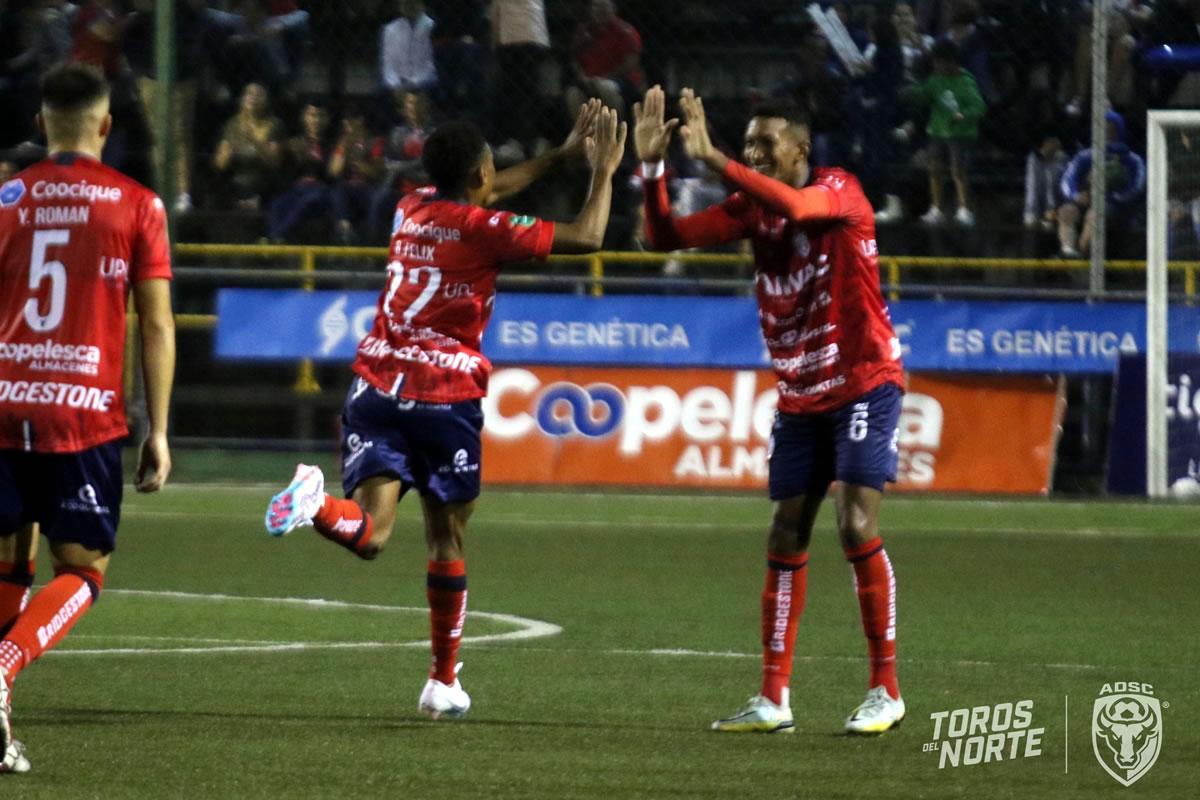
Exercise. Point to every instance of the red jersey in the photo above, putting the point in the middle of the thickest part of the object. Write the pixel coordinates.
(425, 342)
(816, 272)
(74, 236)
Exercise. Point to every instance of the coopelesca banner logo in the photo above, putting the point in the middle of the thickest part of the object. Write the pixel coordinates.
(1127, 730)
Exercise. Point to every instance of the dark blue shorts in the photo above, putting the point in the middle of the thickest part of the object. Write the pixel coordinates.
(434, 447)
(75, 498)
(856, 443)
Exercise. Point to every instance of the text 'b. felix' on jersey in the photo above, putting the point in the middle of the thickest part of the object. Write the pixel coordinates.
(441, 284)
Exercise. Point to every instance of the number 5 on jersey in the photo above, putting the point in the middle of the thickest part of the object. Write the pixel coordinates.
(41, 269)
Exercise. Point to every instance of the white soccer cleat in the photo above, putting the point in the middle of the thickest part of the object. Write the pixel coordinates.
(12, 752)
(933, 216)
(439, 700)
(296, 505)
(878, 713)
(759, 715)
(14, 760)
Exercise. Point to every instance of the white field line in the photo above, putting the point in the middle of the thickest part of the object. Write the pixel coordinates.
(526, 628)
(892, 499)
(990, 501)
(663, 524)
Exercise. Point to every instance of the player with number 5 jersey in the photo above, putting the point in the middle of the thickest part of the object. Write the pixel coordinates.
(76, 238)
(412, 417)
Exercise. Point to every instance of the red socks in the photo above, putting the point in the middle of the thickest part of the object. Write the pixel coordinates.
(446, 589)
(782, 602)
(346, 523)
(51, 613)
(876, 587)
(15, 580)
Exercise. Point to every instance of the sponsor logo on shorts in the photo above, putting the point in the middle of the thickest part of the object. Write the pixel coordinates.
(1127, 730)
(460, 464)
(85, 501)
(12, 192)
(357, 447)
(966, 737)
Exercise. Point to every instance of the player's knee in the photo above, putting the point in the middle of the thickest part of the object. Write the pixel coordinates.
(788, 534)
(92, 577)
(855, 529)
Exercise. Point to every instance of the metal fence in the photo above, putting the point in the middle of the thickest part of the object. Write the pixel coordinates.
(299, 121)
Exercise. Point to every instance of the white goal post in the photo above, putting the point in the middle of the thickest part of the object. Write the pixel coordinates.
(1157, 210)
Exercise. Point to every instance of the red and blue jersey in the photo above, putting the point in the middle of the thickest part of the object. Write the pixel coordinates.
(74, 236)
(444, 258)
(816, 273)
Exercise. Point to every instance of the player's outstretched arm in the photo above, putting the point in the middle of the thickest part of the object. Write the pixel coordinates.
(156, 324)
(514, 179)
(651, 138)
(604, 149)
(810, 202)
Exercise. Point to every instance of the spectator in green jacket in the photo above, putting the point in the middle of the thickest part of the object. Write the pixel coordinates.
(955, 109)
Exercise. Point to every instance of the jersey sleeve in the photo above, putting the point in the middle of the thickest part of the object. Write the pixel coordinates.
(151, 248)
(826, 198)
(724, 222)
(516, 237)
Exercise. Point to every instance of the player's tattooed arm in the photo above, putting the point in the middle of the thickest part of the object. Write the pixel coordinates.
(514, 179)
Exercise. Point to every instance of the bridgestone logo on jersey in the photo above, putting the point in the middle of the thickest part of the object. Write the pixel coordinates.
(82, 190)
(373, 347)
(76, 604)
(50, 356)
(50, 393)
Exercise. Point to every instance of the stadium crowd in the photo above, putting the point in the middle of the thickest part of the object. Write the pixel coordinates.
(306, 120)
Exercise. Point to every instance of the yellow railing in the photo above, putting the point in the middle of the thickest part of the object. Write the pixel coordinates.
(307, 256)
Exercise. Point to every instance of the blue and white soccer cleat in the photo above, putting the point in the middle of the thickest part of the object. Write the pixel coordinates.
(759, 715)
(878, 713)
(296, 505)
(439, 700)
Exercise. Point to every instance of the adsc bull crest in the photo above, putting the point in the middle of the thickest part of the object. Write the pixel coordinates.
(1127, 730)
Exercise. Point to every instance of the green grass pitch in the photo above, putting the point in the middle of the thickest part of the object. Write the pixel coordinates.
(204, 692)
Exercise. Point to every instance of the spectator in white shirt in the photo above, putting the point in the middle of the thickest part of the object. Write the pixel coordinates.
(406, 51)
(522, 42)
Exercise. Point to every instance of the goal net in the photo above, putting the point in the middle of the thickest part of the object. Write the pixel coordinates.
(1172, 342)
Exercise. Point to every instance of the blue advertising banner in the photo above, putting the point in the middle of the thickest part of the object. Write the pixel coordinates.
(628, 330)
(1127, 439)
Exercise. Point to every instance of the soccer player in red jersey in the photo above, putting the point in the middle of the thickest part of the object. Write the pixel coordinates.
(75, 238)
(837, 359)
(412, 417)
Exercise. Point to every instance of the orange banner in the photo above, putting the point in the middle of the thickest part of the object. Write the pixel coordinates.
(979, 434)
(711, 428)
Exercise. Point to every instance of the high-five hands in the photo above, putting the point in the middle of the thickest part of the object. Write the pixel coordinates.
(694, 132)
(585, 122)
(651, 135)
(605, 147)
